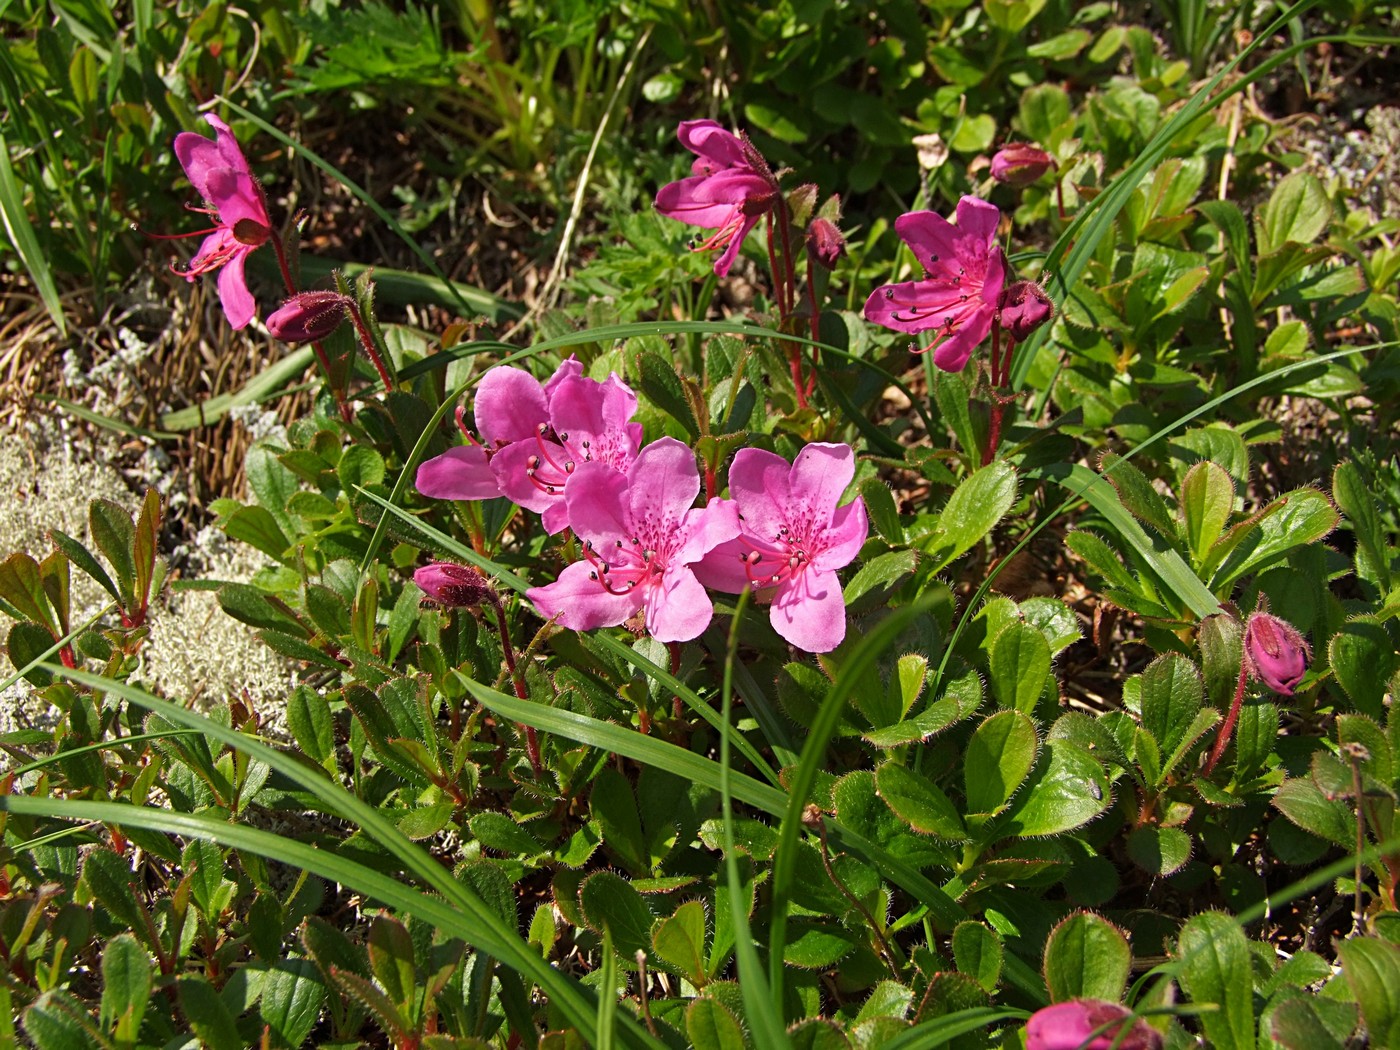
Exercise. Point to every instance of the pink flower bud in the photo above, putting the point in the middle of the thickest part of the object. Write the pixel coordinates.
(1069, 1025)
(454, 585)
(1020, 164)
(825, 242)
(1275, 652)
(308, 317)
(1023, 308)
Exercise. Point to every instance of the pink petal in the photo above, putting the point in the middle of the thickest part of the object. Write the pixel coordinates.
(930, 236)
(819, 476)
(678, 609)
(510, 405)
(712, 142)
(726, 260)
(572, 366)
(952, 354)
(915, 306)
(580, 602)
(809, 612)
(595, 497)
(509, 466)
(459, 473)
(706, 528)
(978, 219)
(758, 482)
(843, 540)
(238, 303)
(723, 569)
(663, 482)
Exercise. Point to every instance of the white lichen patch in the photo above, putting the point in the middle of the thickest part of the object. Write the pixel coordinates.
(195, 653)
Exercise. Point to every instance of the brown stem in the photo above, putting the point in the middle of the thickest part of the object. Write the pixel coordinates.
(367, 341)
(532, 740)
(1227, 730)
(675, 650)
(885, 951)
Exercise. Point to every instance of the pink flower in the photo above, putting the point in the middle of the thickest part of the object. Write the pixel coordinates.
(1020, 164)
(730, 188)
(1024, 307)
(793, 537)
(1070, 1025)
(641, 540)
(533, 437)
(217, 169)
(959, 300)
(1275, 652)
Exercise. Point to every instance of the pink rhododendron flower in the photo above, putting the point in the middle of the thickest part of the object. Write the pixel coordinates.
(534, 436)
(793, 538)
(730, 188)
(1024, 307)
(1275, 652)
(959, 299)
(1070, 1025)
(217, 169)
(642, 538)
(450, 584)
(308, 316)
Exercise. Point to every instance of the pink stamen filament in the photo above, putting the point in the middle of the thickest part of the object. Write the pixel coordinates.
(788, 558)
(633, 564)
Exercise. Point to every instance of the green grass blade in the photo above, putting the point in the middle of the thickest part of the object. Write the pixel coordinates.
(22, 236)
(765, 1022)
(267, 384)
(402, 287)
(107, 422)
(492, 934)
(941, 1030)
(101, 745)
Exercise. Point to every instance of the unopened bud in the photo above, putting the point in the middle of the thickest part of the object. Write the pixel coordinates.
(1020, 164)
(1023, 308)
(308, 317)
(1275, 652)
(454, 585)
(825, 242)
(1069, 1026)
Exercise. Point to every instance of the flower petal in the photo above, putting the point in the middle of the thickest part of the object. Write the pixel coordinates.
(510, 405)
(705, 528)
(819, 476)
(580, 602)
(572, 366)
(459, 473)
(712, 142)
(914, 306)
(238, 303)
(723, 568)
(843, 540)
(678, 609)
(758, 482)
(663, 483)
(510, 465)
(809, 611)
(930, 236)
(978, 219)
(952, 353)
(595, 495)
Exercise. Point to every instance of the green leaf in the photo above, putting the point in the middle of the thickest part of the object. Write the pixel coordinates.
(1350, 491)
(127, 977)
(919, 802)
(203, 862)
(1294, 1024)
(26, 644)
(962, 697)
(971, 513)
(312, 727)
(977, 951)
(881, 572)
(954, 399)
(292, 996)
(679, 941)
(1215, 970)
(1171, 698)
(611, 904)
(614, 807)
(879, 505)
(1087, 957)
(83, 558)
(110, 882)
(257, 527)
(498, 832)
(1067, 790)
(207, 1014)
(1301, 801)
(710, 1026)
(999, 755)
(1018, 665)
(816, 945)
(21, 584)
(1137, 493)
(391, 961)
(1294, 520)
(656, 377)
(1207, 501)
(1298, 211)
(58, 1020)
(15, 215)
(272, 483)
(1363, 658)
(1158, 850)
(1372, 970)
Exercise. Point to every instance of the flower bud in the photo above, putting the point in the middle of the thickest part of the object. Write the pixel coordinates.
(1023, 308)
(454, 585)
(1275, 652)
(1068, 1026)
(1020, 164)
(825, 242)
(308, 317)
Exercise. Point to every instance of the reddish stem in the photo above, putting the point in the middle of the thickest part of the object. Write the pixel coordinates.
(675, 649)
(532, 740)
(367, 341)
(1227, 730)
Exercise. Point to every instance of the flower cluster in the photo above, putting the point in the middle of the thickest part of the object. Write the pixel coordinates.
(567, 450)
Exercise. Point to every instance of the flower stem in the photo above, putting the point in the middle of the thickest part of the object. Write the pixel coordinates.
(532, 740)
(675, 650)
(367, 341)
(1222, 739)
